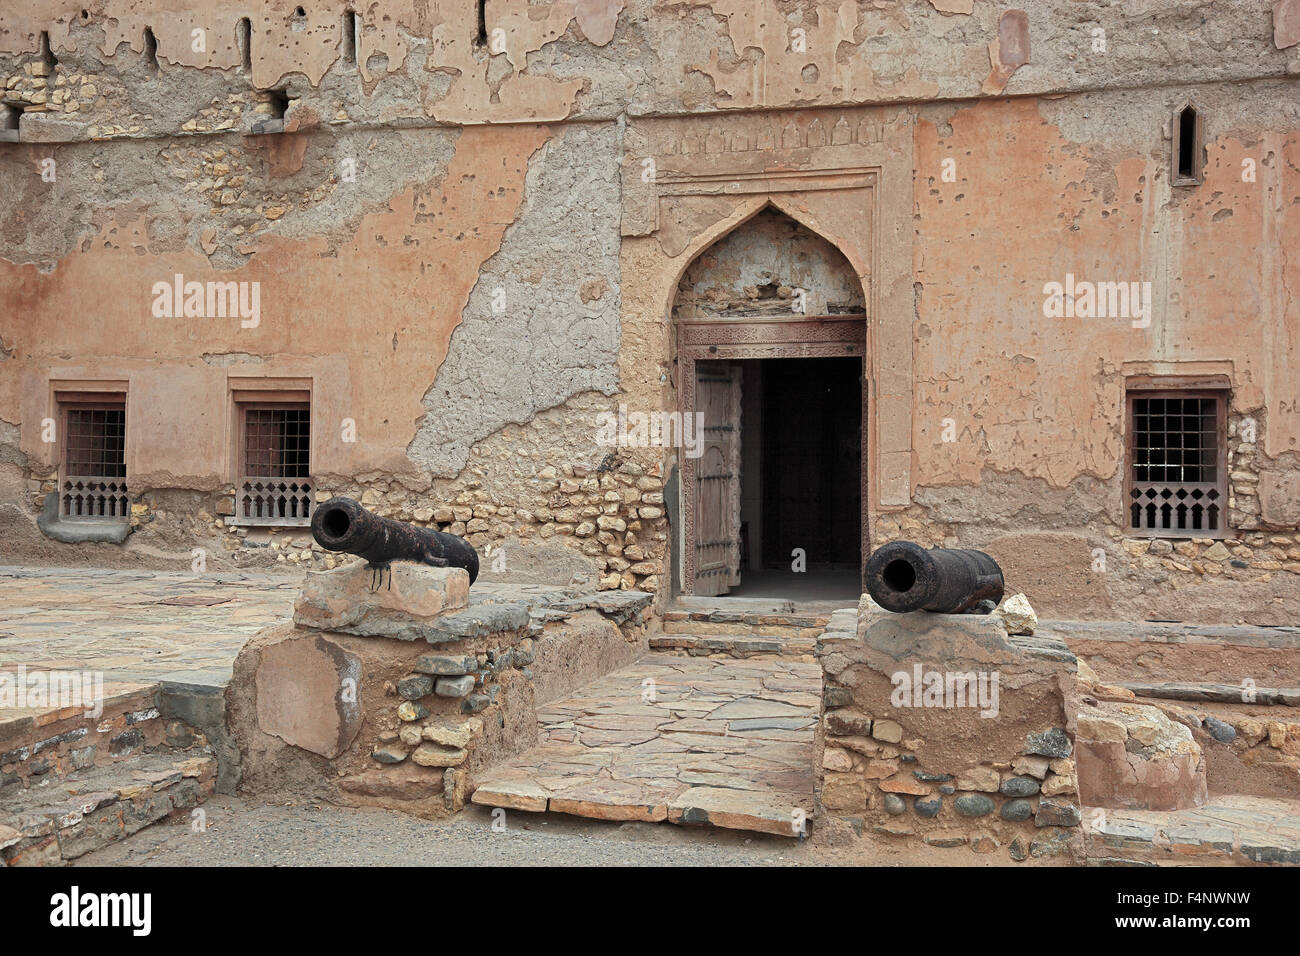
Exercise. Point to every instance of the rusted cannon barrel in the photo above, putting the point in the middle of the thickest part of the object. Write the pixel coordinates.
(903, 576)
(341, 524)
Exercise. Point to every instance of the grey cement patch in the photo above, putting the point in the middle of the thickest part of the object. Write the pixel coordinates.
(527, 341)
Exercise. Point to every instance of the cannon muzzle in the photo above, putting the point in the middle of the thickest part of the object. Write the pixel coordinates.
(903, 576)
(342, 524)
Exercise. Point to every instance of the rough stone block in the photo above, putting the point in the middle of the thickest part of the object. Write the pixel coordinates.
(300, 687)
(1161, 768)
(454, 686)
(449, 734)
(433, 755)
(341, 599)
(444, 665)
(415, 686)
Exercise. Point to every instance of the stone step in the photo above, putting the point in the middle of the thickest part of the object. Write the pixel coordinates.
(739, 628)
(1228, 830)
(75, 778)
(61, 818)
(40, 745)
(746, 618)
(744, 644)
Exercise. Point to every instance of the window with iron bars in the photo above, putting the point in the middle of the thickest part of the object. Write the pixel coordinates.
(276, 486)
(93, 480)
(1177, 481)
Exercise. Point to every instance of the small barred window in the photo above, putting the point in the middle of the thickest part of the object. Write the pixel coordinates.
(276, 486)
(1177, 483)
(93, 479)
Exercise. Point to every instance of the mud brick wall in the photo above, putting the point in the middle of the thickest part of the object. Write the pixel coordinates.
(501, 186)
(924, 764)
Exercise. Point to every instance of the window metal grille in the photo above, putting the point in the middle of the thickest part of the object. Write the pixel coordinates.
(1177, 485)
(276, 487)
(93, 483)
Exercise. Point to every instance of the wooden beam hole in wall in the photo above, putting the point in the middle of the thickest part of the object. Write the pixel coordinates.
(150, 49)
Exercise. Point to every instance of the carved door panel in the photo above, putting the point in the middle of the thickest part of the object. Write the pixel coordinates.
(717, 479)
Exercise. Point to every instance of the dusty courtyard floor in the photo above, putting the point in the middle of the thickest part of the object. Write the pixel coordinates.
(137, 627)
(242, 833)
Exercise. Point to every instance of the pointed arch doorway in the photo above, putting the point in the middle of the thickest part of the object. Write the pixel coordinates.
(770, 326)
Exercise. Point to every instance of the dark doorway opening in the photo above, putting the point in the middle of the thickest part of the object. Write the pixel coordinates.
(801, 478)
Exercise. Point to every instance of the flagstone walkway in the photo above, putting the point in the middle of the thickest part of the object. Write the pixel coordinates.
(135, 627)
(687, 740)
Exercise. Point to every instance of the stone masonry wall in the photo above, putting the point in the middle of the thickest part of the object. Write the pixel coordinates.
(924, 760)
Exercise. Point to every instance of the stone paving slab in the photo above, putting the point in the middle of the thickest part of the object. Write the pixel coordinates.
(1228, 829)
(136, 627)
(687, 740)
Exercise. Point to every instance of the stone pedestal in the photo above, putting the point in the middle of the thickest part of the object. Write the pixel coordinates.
(393, 697)
(942, 729)
(408, 595)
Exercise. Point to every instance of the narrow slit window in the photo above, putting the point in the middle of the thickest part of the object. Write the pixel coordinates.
(1177, 484)
(244, 40)
(276, 486)
(12, 113)
(93, 480)
(349, 36)
(1188, 147)
(481, 38)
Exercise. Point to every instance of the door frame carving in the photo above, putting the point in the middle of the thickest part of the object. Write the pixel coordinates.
(825, 336)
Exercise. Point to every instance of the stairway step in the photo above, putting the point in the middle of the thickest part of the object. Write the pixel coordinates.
(1231, 829)
(735, 645)
(62, 819)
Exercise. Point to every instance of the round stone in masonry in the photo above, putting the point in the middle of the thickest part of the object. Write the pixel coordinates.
(1019, 787)
(1016, 810)
(928, 806)
(974, 805)
(410, 710)
(1223, 732)
(894, 804)
(389, 754)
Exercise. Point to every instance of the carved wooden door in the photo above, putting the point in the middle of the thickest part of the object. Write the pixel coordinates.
(717, 478)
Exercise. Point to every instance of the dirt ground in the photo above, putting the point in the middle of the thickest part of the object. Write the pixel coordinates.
(243, 833)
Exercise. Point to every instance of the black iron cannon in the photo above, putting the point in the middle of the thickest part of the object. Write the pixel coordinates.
(903, 576)
(342, 524)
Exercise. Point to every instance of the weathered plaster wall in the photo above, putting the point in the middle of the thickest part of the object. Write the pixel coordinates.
(417, 59)
(356, 294)
(542, 323)
(1032, 406)
(459, 247)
